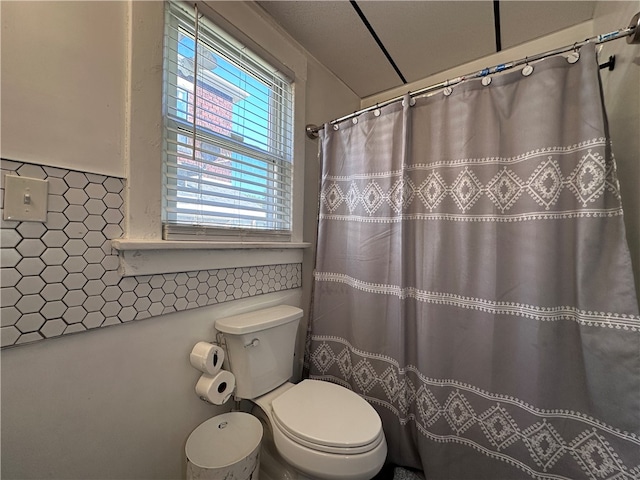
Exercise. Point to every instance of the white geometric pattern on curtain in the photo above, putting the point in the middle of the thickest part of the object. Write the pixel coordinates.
(473, 281)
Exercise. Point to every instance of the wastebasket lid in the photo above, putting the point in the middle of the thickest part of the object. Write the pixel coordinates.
(224, 440)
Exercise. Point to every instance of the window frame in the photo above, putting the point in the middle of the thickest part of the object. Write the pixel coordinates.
(142, 250)
(279, 161)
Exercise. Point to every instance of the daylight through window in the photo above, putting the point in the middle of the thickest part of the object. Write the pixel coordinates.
(227, 135)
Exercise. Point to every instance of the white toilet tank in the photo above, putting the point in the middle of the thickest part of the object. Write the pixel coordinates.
(260, 347)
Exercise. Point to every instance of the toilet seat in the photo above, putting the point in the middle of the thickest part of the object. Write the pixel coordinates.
(326, 448)
(327, 418)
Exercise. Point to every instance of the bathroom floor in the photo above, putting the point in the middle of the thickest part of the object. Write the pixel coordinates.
(400, 473)
(391, 472)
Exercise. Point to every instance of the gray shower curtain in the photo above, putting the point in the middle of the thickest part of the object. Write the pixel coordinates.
(473, 281)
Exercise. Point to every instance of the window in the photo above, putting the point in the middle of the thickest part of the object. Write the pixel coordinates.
(228, 143)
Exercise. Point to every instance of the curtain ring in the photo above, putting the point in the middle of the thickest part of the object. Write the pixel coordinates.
(574, 56)
(528, 69)
(412, 101)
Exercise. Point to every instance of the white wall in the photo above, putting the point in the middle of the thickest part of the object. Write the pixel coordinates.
(549, 42)
(116, 402)
(63, 83)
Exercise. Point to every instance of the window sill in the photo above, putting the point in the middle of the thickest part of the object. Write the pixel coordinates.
(150, 257)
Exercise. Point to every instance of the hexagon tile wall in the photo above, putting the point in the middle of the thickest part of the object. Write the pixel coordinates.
(61, 277)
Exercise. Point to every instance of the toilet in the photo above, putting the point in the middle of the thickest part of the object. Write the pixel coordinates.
(322, 430)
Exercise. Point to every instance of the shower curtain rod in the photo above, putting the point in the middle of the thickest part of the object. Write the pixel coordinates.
(632, 32)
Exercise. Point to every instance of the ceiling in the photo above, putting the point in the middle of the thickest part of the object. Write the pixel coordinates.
(420, 37)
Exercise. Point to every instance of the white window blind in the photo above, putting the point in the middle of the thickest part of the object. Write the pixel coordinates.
(227, 135)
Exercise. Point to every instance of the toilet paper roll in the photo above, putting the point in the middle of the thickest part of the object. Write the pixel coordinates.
(216, 389)
(207, 358)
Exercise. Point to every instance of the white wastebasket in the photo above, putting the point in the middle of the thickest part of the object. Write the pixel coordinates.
(225, 447)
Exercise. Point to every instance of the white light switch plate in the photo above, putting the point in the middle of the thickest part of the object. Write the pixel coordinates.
(25, 199)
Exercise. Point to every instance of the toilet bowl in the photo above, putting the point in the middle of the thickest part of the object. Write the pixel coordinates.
(322, 430)
(325, 431)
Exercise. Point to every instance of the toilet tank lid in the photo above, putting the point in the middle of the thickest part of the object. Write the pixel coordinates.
(258, 320)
